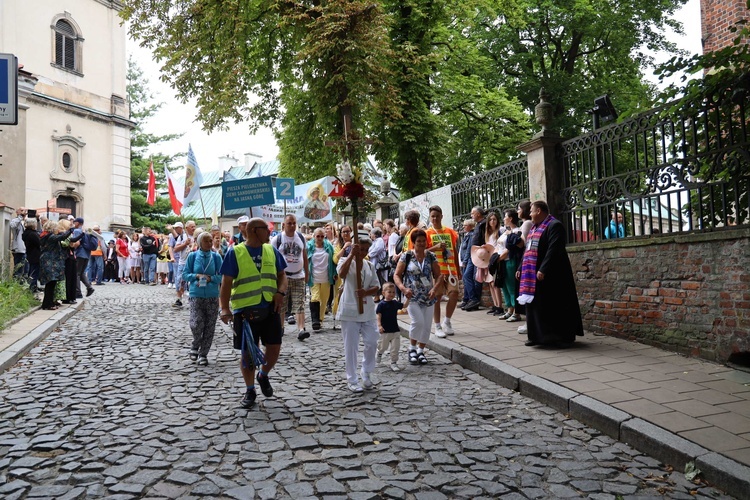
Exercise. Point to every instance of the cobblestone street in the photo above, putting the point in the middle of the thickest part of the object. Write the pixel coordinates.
(110, 406)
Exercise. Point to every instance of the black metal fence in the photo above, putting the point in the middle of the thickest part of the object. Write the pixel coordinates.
(497, 189)
(659, 173)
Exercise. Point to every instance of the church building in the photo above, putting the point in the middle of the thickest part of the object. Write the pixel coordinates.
(71, 147)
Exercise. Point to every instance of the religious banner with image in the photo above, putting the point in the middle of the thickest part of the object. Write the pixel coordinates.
(311, 203)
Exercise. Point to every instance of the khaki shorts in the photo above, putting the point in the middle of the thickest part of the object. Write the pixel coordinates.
(447, 288)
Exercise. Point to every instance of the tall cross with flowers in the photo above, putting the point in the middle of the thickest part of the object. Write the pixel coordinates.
(350, 179)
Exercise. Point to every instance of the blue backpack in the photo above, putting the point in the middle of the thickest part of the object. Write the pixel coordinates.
(89, 242)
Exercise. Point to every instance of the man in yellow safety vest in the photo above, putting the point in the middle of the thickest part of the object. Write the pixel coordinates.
(255, 282)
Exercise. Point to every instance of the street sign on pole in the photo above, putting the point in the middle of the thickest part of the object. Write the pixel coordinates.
(8, 89)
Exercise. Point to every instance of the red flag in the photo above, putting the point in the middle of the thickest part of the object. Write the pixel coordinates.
(175, 192)
(151, 198)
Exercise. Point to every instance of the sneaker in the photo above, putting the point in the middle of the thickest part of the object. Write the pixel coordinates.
(249, 400)
(447, 327)
(439, 333)
(463, 304)
(90, 291)
(355, 388)
(421, 358)
(291, 319)
(193, 354)
(303, 334)
(202, 361)
(367, 382)
(523, 330)
(395, 367)
(378, 358)
(265, 385)
(177, 304)
(170, 285)
(413, 359)
(153, 283)
(513, 318)
(472, 306)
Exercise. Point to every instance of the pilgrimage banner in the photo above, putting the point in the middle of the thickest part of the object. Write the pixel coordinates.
(311, 203)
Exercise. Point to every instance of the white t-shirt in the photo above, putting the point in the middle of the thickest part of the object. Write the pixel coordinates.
(392, 240)
(348, 309)
(320, 266)
(292, 250)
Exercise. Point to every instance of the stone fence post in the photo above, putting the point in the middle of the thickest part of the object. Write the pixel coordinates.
(545, 174)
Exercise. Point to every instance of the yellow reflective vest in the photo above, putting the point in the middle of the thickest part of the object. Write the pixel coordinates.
(250, 285)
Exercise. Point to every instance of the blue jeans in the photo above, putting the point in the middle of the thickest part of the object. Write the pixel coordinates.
(170, 274)
(149, 267)
(33, 277)
(96, 269)
(20, 265)
(472, 289)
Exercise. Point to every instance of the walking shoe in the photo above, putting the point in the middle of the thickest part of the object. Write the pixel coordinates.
(303, 334)
(202, 361)
(193, 355)
(355, 388)
(492, 310)
(90, 291)
(177, 304)
(513, 318)
(523, 330)
(395, 367)
(291, 320)
(378, 358)
(170, 285)
(265, 385)
(447, 327)
(413, 359)
(463, 304)
(153, 283)
(439, 333)
(421, 358)
(249, 399)
(366, 381)
(472, 306)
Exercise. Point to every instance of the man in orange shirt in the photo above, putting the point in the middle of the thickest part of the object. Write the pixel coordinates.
(96, 262)
(443, 242)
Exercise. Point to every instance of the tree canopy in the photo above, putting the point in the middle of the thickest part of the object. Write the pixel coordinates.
(443, 88)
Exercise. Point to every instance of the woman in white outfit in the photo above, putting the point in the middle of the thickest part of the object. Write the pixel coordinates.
(354, 324)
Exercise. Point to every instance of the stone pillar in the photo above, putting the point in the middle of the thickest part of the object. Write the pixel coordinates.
(545, 174)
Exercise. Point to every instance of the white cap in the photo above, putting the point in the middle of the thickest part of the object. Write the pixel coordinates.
(178, 224)
(70, 217)
(243, 219)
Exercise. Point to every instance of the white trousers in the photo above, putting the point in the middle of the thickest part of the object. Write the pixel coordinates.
(351, 330)
(421, 322)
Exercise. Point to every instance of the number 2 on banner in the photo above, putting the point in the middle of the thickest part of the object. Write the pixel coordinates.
(284, 189)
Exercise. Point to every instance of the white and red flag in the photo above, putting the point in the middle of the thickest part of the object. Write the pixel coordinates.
(176, 192)
(151, 198)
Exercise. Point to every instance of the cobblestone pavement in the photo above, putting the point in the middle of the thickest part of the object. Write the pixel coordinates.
(110, 406)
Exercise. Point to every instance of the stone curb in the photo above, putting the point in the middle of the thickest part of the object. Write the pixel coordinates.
(723, 472)
(14, 352)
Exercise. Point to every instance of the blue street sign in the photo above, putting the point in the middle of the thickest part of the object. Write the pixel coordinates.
(284, 188)
(8, 89)
(246, 193)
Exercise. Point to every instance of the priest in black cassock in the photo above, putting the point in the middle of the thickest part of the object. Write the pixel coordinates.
(548, 289)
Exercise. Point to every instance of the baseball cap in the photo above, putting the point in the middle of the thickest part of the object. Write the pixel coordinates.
(178, 224)
(243, 219)
(70, 217)
(79, 220)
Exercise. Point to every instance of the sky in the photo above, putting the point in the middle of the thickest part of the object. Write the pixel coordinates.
(175, 117)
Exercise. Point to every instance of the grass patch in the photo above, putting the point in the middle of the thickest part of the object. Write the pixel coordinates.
(15, 299)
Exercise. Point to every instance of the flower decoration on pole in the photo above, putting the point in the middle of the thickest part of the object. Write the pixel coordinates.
(350, 179)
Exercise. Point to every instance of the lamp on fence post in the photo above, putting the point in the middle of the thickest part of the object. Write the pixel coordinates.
(603, 111)
(385, 202)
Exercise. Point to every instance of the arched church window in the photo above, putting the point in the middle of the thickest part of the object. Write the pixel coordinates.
(67, 46)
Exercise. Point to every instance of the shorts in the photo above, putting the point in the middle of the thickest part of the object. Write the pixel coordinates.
(178, 275)
(269, 330)
(296, 291)
(447, 288)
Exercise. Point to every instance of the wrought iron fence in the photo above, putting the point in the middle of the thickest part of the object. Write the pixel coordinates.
(659, 173)
(499, 188)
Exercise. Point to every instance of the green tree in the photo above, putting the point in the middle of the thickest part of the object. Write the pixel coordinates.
(578, 50)
(143, 107)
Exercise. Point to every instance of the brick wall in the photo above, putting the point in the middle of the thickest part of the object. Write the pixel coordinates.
(686, 293)
(717, 17)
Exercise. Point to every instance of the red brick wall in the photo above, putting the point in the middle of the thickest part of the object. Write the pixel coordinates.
(689, 294)
(717, 17)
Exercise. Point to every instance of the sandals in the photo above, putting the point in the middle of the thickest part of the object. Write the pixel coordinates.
(513, 318)
(422, 358)
(505, 316)
(413, 358)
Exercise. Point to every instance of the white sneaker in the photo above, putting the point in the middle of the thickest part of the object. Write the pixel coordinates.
(447, 327)
(366, 382)
(355, 388)
(439, 333)
(395, 367)
(170, 285)
(523, 330)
